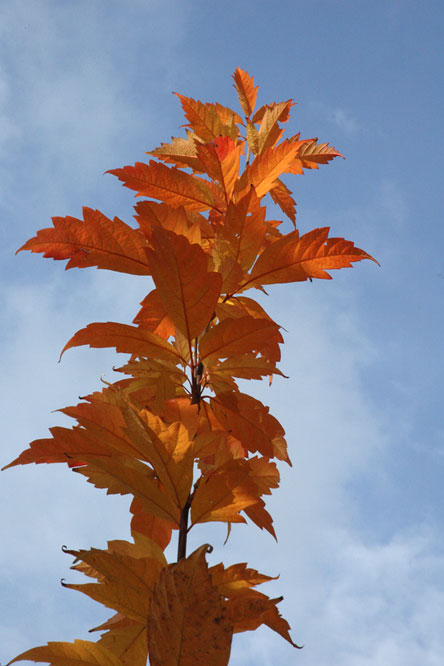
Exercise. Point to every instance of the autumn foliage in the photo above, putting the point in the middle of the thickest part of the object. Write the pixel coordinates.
(175, 433)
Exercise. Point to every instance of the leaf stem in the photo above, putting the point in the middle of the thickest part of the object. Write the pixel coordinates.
(183, 531)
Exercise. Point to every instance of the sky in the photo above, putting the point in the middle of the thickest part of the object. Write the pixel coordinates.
(86, 87)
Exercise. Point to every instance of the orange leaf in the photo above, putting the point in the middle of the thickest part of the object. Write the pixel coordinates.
(151, 526)
(123, 475)
(187, 623)
(246, 367)
(249, 612)
(169, 450)
(260, 517)
(311, 154)
(244, 229)
(222, 494)
(126, 577)
(96, 241)
(128, 640)
(269, 131)
(232, 337)
(126, 339)
(209, 121)
(220, 160)
(170, 185)
(281, 196)
(267, 167)
(250, 422)
(180, 151)
(236, 579)
(240, 306)
(154, 317)
(80, 653)
(294, 259)
(247, 93)
(185, 222)
(188, 290)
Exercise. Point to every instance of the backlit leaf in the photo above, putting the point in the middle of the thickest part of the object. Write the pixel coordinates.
(79, 653)
(126, 339)
(294, 259)
(171, 185)
(188, 290)
(247, 92)
(95, 241)
(187, 623)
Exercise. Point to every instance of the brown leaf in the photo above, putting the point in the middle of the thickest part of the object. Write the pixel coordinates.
(187, 623)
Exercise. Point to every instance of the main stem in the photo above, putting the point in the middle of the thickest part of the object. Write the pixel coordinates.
(183, 531)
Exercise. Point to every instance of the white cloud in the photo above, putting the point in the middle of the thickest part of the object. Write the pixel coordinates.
(343, 120)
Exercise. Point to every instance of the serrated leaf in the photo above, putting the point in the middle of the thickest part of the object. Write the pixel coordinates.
(232, 337)
(171, 185)
(250, 422)
(220, 160)
(168, 449)
(79, 653)
(266, 168)
(126, 339)
(209, 121)
(295, 259)
(180, 151)
(187, 623)
(93, 241)
(126, 580)
(281, 196)
(128, 640)
(122, 475)
(190, 224)
(188, 290)
(311, 154)
(223, 493)
(247, 92)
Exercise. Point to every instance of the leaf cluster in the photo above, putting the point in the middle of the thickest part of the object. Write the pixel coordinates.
(176, 433)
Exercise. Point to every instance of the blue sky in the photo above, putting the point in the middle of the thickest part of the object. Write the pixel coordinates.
(86, 87)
